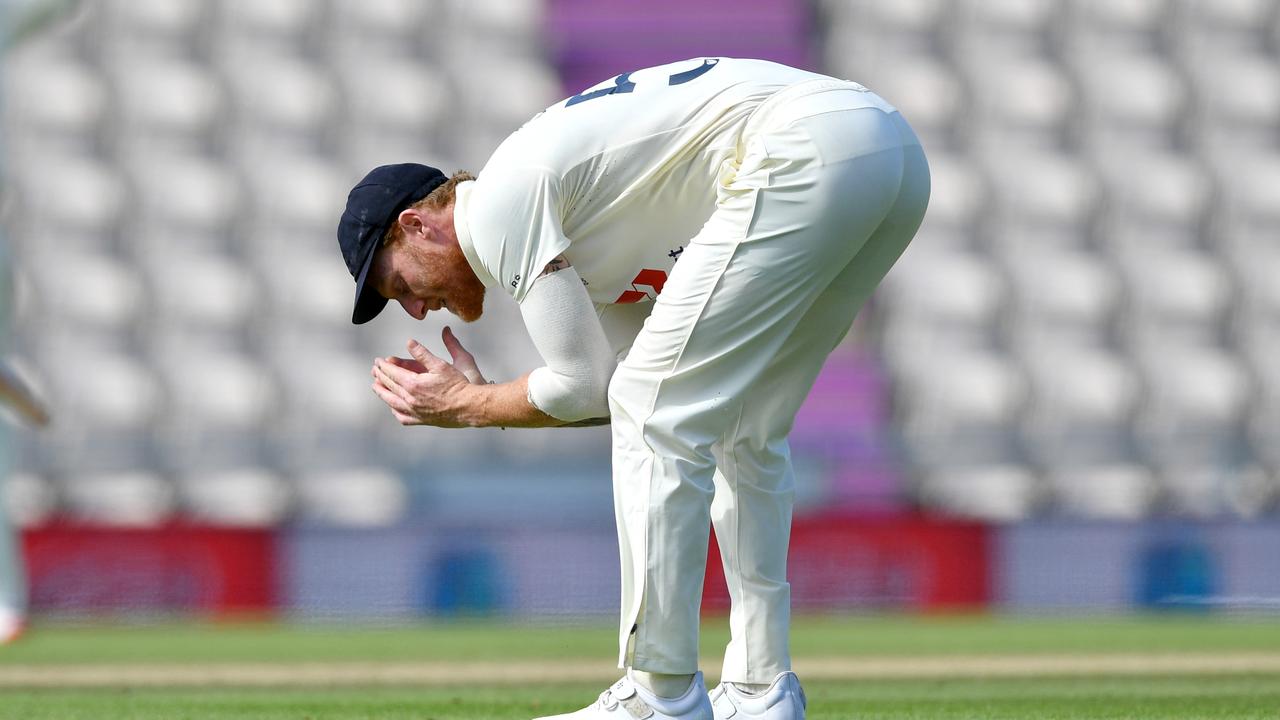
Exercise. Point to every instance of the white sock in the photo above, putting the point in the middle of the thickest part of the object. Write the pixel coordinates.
(751, 688)
(667, 687)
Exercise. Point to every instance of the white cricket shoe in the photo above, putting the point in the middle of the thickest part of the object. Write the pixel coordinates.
(626, 700)
(784, 700)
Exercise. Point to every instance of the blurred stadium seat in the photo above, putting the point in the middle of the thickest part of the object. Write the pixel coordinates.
(1131, 100)
(1121, 25)
(1216, 489)
(953, 400)
(1079, 387)
(87, 291)
(283, 26)
(310, 290)
(360, 497)
(152, 25)
(1197, 397)
(83, 198)
(1061, 292)
(1104, 491)
(280, 101)
(959, 202)
(117, 391)
(182, 199)
(1175, 293)
(390, 27)
(1012, 27)
(1156, 198)
(929, 92)
(241, 497)
(28, 499)
(1044, 197)
(51, 97)
(210, 389)
(518, 21)
(1227, 25)
(943, 288)
(165, 103)
(394, 108)
(130, 499)
(998, 492)
(1024, 102)
(1252, 189)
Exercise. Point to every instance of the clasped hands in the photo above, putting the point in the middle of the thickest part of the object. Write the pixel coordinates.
(426, 390)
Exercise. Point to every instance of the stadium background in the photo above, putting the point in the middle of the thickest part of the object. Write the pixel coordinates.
(1064, 398)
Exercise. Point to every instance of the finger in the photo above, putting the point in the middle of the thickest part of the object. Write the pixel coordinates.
(424, 356)
(394, 379)
(404, 418)
(407, 363)
(401, 376)
(462, 360)
(456, 351)
(393, 400)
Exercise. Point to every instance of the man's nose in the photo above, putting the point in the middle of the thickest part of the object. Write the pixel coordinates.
(415, 307)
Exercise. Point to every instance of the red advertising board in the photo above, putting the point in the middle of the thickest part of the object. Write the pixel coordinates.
(893, 562)
(173, 568)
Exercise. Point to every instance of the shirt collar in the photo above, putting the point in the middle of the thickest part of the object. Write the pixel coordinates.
(462, 225)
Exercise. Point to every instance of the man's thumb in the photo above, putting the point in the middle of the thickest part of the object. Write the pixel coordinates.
(454, 346)
(423, 355)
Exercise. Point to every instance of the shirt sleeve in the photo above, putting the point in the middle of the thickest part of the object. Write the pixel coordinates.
(514, 217)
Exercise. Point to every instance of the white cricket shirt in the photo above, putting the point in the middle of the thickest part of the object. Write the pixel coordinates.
(617, 178)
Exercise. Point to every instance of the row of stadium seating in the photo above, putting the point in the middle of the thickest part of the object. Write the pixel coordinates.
(1083, 326)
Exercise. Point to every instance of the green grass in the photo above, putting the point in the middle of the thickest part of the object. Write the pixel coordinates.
(1069, 698)
(823, 636)
(1184, 698)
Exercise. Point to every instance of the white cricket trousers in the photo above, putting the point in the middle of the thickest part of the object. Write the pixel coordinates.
(827, 187)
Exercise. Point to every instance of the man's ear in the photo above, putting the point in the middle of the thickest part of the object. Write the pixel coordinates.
(410, 221)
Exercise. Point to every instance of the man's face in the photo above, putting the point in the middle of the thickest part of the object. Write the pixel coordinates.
(423, 277)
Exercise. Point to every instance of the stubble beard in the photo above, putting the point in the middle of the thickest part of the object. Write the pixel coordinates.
(462, 289)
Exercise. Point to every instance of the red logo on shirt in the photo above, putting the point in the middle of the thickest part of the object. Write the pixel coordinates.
(645, 278)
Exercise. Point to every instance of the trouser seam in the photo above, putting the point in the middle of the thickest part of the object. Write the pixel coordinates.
(731, 461)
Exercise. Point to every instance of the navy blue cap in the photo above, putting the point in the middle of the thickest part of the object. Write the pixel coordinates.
(372, 205)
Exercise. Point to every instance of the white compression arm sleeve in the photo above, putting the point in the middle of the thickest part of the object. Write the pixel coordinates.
(574, 384)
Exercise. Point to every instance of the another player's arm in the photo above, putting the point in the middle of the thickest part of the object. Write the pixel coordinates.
(16, 394)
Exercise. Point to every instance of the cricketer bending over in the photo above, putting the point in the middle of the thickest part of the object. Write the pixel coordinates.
(687, 244)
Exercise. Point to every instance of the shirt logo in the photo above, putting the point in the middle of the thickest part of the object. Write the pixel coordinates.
(647, 278)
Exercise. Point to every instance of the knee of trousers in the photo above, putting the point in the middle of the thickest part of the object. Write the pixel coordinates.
(671, 426)
(631, 393)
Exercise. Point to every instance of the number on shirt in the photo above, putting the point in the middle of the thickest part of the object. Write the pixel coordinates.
(622, 84)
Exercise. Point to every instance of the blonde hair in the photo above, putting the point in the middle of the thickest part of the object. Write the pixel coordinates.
(438, 199)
